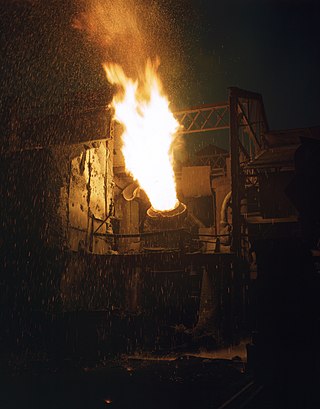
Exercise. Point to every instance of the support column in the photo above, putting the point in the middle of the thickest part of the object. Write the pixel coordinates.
(235, 172)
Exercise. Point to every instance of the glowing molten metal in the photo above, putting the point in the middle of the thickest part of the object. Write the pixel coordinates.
(149, 132)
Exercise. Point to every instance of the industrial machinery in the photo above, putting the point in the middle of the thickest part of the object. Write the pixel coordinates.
(75, 223)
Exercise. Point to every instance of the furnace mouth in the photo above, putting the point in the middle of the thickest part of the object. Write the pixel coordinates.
(162, 214)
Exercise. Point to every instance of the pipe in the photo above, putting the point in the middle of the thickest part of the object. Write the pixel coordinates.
(131, 191)
(224, 210)
(225, 226)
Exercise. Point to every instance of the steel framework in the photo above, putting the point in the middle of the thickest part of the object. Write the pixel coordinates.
(244, 116)
(203, 119)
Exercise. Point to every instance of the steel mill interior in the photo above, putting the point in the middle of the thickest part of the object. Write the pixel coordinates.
(133, 280)
(118, 277)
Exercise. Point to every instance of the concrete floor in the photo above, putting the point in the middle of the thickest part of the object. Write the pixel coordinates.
(130, 382)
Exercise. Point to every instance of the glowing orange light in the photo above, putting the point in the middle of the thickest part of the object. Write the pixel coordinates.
(149, 132)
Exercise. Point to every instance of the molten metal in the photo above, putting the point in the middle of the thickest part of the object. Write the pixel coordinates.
(179, 209)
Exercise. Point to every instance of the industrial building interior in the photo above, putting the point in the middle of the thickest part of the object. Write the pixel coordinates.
(108, 300)
(116, 278)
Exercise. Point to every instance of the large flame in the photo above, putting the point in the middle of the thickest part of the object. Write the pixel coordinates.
(149, 131)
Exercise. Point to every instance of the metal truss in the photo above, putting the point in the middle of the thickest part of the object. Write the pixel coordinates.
(252, 124)
(203, 119)
(216, 162)
(245, 118)
(248, 126)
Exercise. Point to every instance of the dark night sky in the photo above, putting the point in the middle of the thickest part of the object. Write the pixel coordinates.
(267, 46)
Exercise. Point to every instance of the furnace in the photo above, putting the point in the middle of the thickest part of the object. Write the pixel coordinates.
(109, 249)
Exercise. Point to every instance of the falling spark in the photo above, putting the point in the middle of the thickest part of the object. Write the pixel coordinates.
(149, 133)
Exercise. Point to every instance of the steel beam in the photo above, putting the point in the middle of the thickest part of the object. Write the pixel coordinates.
(235, 172)
(203, 119)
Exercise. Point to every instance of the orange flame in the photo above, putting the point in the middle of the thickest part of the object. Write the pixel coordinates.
(149, 132)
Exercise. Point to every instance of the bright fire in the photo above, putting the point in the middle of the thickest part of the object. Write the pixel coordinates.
(149, 132)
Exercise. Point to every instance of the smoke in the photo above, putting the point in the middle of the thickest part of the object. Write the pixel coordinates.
(129, 32)
(114, 27)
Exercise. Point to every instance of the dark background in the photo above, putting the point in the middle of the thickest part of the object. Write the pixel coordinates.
(267, 46)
